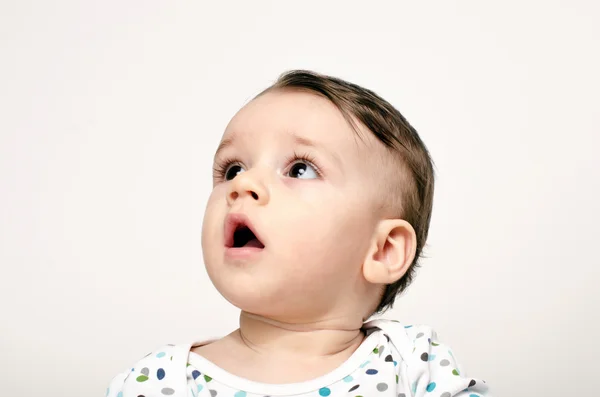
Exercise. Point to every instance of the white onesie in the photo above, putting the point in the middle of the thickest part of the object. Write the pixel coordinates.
(393, 361)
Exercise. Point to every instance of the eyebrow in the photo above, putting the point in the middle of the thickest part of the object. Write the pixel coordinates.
(224, 144)
(298, 140)
(302, 141)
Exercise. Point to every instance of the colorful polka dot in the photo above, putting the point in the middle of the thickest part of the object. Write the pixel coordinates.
(472, 383)
(372, 371)
(431, 387)
(425, 356)
(382, 386)
(353, 388)
(160, 374)
(446, 394)
(240, 394)
(161, 354)
(348, 379)
(324, 392)
(444, 363)
(195, 374)
(200, 387)
(167, 391)
(455, 372)
(141, 378)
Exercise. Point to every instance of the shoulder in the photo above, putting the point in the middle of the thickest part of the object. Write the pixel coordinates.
(430, 363)
(162, 371)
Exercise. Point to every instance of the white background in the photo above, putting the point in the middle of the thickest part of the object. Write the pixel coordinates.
(110, 112)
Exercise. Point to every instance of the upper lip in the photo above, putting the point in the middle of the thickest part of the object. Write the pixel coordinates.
(232, 223)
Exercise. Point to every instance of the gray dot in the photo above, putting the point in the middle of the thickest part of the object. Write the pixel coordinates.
(381, 348)
(167, 391)
(382, 386)
(145, 371)
(401, 395)
(213, 393)
(444, 363)
(446, 394)
(420, 334)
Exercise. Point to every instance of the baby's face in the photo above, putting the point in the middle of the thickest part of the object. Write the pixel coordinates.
(291, 170)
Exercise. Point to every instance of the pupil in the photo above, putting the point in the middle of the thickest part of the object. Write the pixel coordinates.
(233, 172)
(298, 170)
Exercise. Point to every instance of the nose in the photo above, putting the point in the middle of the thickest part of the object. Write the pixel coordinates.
(248, 184)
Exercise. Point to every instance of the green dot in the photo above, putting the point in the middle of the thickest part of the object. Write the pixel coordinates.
(207, 378)
(141, 378)
(376, 350)
(455, 372)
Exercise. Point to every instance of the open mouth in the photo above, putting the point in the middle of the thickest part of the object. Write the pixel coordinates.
(244, 237)
(239, 234)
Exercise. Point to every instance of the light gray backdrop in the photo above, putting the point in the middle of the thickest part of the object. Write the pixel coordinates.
(110, 112)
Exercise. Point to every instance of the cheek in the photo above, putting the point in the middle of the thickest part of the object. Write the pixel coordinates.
(327, 233)
(211, 224)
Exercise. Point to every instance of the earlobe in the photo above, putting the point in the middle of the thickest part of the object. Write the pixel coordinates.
(391, 253)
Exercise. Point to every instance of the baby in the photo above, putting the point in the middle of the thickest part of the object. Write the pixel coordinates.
(320, 208)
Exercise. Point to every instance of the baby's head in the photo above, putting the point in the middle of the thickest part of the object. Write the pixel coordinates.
(321, 202)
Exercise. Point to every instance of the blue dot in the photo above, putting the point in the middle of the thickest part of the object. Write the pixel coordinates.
(161, 354)
(324, 391)
(120, 394)
(371, 371)
(195, 373)
(348, 379)
(395, 363)
(107, 391)
(473, 395)
(431, 357)
(200, 387)
(364, 364)
(407, 326)
(431, 387)
(240, 394)
(160, 373)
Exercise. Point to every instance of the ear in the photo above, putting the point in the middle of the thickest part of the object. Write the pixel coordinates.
(391, 253)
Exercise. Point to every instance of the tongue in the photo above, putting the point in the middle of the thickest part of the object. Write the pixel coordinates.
(254, 243)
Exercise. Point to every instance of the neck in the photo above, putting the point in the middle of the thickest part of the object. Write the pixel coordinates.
(329, 337)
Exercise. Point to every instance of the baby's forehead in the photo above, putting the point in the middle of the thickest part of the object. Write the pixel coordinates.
(291, 117)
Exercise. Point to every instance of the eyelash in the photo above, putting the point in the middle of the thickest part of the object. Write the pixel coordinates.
(221, 167)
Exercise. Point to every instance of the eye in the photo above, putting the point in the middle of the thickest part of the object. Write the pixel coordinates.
(232, 171)
(303, 170)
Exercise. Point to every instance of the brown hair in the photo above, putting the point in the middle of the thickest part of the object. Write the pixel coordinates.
(415, 188)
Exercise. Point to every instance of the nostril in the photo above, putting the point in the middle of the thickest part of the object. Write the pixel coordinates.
(254, 195)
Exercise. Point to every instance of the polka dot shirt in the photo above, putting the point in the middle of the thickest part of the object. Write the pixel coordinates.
(393, 361)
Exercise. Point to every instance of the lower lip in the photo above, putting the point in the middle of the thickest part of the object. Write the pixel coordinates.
(242, 252)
